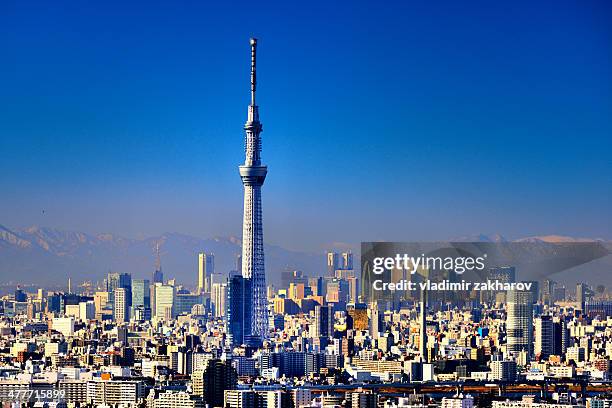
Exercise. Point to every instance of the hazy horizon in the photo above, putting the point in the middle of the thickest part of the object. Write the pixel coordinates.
(324, 246)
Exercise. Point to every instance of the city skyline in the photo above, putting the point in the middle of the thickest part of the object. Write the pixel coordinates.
(402, 118)
(392, 127)
(496, 350)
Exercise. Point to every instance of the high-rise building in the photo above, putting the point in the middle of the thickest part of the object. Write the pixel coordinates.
(206, 267)
(20, 295)
(184, 303)
(544, 337)
(347, 260)
(581, 290)
(337, 291)
(164, 301)
(559, 295)
(141, 293)
(253, 174)
(218, 298)
(141, 300)
(238, 316)
(322, 286)
(219, 278)
(376, 321)
(324, 321)
(519, 323)
(548, 292)
(423, 326)
(357, 316)
(562, 337)
(54, 303)
(102, 304)
(158, 276)
(353, 286)
(297, 291)
(332, 263)
(218, 377)
(121, 309)
(116, 280)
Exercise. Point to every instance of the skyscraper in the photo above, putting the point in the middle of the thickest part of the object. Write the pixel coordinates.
(164, 301)
(218, 296)
(357, 316)
(332, 263)
(206, 267)
(544, 337)
(121, 308)
(324, 321)
(548, 292)
(238, 315)
(580, 296)
(520, 321)
(423, 326)
(253, 174)
(562, 337)
(119, 280)
(141, 298)
(376, 321)
(158, 276)
(141, 294)
(347, 260)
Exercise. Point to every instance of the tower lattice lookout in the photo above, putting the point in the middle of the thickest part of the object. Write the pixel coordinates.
(253, 174)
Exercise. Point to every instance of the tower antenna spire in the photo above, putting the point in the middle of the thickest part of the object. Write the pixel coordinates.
(253, 69)
(157, 258)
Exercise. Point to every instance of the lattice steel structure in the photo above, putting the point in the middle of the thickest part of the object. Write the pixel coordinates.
(253, 174)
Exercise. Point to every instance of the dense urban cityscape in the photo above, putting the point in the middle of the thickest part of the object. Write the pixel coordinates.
(312, 341)
(140, 342)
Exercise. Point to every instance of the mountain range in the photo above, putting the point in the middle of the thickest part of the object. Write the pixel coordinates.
(49, 256)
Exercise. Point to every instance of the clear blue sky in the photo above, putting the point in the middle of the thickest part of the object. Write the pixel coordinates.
(382, 120)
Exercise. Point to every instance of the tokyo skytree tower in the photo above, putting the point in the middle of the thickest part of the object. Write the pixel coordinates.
(253, 174)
